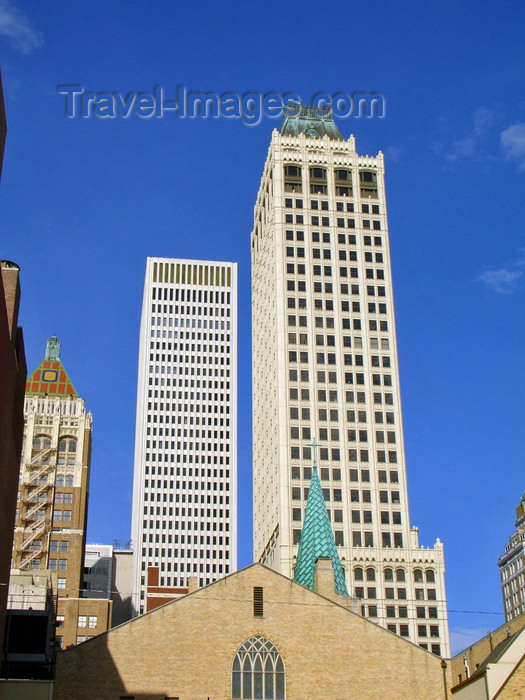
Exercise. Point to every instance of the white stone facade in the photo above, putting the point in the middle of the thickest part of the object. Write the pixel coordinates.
(185, 480)
(512, 568)
(325, 367)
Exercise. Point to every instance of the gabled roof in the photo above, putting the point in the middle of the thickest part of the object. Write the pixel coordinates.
(317, 541)
(50, 377)
(497, 669)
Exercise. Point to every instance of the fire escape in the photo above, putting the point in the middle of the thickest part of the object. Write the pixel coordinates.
(36, 507)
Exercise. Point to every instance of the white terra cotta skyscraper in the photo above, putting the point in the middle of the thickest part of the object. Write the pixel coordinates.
(325, 367)
(185, 479)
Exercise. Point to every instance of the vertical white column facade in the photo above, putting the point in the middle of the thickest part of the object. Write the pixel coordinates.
(325, 367)
(184, 518)
(512, 568)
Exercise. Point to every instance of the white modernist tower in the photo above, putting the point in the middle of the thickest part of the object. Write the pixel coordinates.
(325, 368)
(185, 480)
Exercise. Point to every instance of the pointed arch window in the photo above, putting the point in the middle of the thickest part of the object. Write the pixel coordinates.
(258, 671)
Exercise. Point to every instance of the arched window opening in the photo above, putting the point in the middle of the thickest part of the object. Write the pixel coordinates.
(400, 574)
(358, 574)
(258, 671)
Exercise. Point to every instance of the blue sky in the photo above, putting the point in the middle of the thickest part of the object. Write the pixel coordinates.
(84, 201)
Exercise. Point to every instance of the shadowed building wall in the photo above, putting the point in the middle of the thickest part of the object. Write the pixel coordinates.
(12, 385)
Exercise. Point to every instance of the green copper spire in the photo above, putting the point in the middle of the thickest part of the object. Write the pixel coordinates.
(317, 539)
(313, 122)
(53, 349)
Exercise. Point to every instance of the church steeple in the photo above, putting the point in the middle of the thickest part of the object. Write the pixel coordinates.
(317, 538)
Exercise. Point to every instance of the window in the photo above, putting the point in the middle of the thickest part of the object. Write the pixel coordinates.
(258, 671)
(61, 583)
(82, 621)
(92, 621)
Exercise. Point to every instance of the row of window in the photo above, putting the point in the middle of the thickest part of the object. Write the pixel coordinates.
(188, 459)
(190, 322)
(42, 442)
(330, 358)
(181, 498)
(328, 289)
(188, 471)
(190, 310)
(58, 564)
(345, 307)
(300, 269)
(194, 568)
(387, 518)
(324, 221)
(334, 455)
(59, 546)
(300, 252)
(90, 621)
(189, 554)
(352, 435)
(189, 539)
(200, 296)
(399, 574)
(335, 474)
(373, 324)
(360, 539)
(64, 498)
(62, 515)
(342, 239)
(366, 539)
(340, 206)
(163, 524)
(350, 397)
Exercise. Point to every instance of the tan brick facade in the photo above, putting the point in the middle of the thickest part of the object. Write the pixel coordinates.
(186, 648)
(478, 652)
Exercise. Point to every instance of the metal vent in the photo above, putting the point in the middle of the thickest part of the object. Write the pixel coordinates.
(258, 602)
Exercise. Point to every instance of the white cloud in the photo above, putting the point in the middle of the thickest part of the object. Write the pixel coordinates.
(464, 148)
(513, 142)
(394, 153)
(472, 145)
(505, 279)
(462, 637)
(483, 120)
(15, 26)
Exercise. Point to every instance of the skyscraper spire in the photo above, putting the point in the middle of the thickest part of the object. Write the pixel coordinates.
(53, 349)
(317, 538)
(50, 377)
